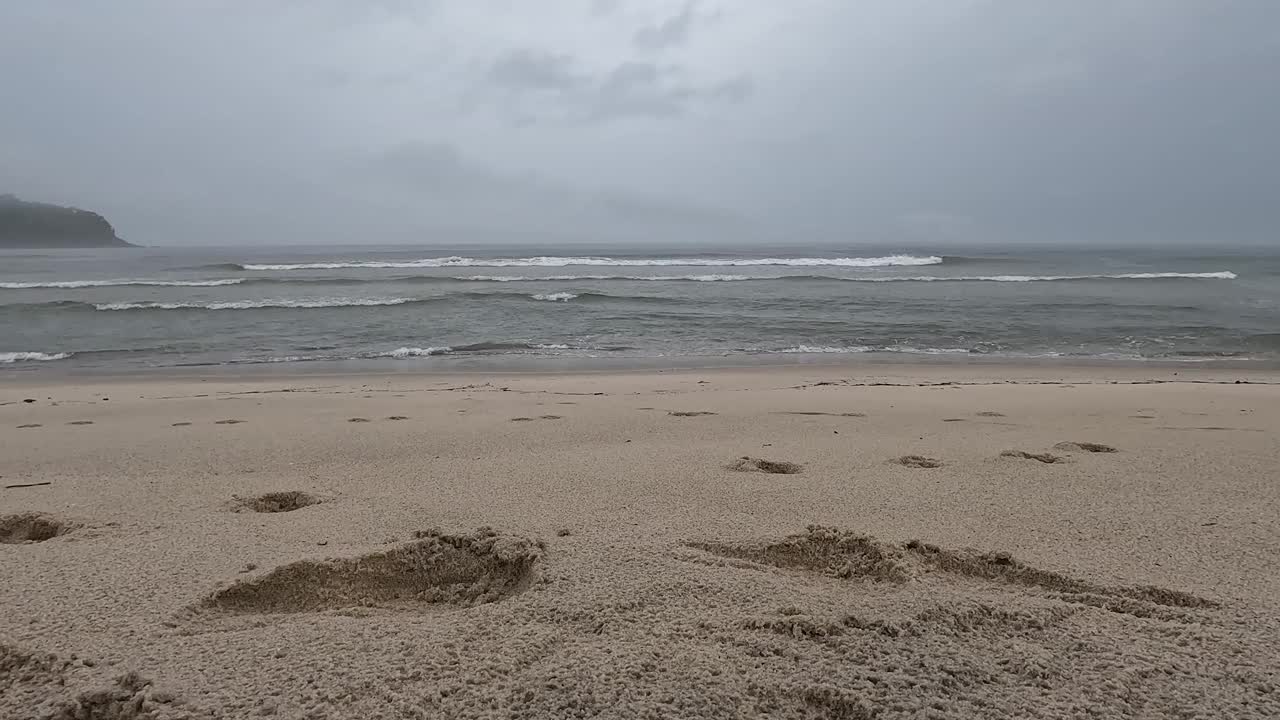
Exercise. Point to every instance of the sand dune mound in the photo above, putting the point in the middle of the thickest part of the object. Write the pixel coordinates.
(1084, 447)
(277, 502)
(32, 528)
(460, 570)
(776, 467)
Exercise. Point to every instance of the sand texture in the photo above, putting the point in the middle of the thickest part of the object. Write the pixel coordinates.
(759, 543)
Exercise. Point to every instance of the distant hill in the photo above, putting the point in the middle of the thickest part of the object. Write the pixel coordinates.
(40, 225)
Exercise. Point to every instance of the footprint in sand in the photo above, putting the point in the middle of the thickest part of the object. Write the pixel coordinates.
(975, 624)
(690, 413)
(1047, 458)
(550, 417)
(32, 527)
(228, 422)
(829, 414)
(450, 570)
(917, 461)
(952, 419)
(29, 425)
(80, 422)
(1084, 447)
(1212, 427)
(181, 424)
(358, 420)
(774, 467)
(846, 555)
(276, 502)
(989, 413)
(398, 417)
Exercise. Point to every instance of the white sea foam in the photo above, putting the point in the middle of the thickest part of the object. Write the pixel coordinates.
(256, 304)
(554, 297)
(551, 261)
(662, 278)
(817, 349)
(16, 357)
(412, 352)
(1220, 275)
(833, 349)
(74, 284)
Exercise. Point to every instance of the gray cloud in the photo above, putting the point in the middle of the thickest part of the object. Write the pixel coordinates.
(672, 32)
(540, 85)
(525, 69)
(605, 7)
(209, 121)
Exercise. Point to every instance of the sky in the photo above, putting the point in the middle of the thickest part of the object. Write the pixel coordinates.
(391, 121)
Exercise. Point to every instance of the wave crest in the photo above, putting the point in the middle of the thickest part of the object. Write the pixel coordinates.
(256, 304)
(552, 261)
(74, 284)
(16, 357)
(853, 349)
(1218, 275)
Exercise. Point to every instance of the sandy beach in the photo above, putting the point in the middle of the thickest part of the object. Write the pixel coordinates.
(791, 542)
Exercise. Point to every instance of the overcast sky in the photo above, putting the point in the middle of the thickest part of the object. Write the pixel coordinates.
(921, 121)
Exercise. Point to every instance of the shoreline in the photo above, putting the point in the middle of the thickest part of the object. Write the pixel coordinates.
(897, 365)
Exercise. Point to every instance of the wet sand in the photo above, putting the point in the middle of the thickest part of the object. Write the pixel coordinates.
(804, 542)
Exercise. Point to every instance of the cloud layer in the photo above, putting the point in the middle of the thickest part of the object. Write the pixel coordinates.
(890, 120)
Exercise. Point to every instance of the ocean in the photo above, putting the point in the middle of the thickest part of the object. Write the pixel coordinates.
(441, 307)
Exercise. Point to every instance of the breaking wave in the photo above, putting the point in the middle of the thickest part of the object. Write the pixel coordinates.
(1219, 275)
(559, 278)
(17, 357)
(490, 347)
(853, 349)
(551, 261)
(73, 284)
(257, 304)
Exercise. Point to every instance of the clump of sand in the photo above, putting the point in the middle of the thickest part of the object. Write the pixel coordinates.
(50, 687)
(776, 467)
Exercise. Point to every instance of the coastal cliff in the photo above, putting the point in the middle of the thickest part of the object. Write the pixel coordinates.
(40, 225)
